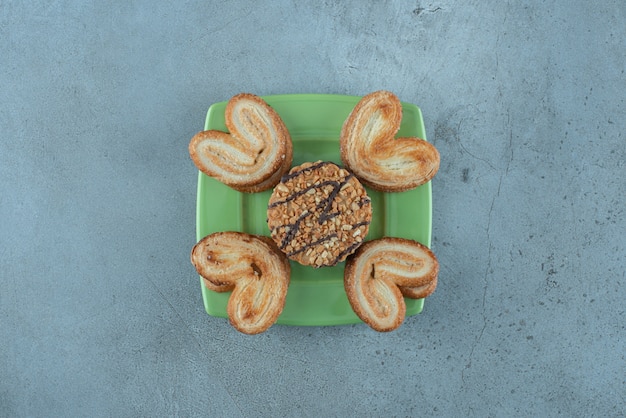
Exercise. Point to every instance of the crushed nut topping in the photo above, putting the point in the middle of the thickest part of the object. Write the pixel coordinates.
(319, 214)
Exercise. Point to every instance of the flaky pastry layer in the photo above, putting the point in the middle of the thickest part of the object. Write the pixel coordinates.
(376, 273)
(256, 271)
(369, 148)
(255, 153)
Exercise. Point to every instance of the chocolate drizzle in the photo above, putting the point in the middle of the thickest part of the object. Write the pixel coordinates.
(312, 244)
(336, 187)
(293, 230)
(346, 252)
(295, 174)
(355, 226)
(322, 210)
(326, 204)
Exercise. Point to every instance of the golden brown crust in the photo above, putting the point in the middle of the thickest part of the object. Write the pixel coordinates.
(319, 214)
(254, 155)
(220, 288)
(256, 271)
(419, 292)
(374, 275)
(270, 182)
(369, 150)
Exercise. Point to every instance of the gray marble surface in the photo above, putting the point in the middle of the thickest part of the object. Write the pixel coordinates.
(100, 309)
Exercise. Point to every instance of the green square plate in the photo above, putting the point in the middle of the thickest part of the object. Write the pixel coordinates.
(315, 296)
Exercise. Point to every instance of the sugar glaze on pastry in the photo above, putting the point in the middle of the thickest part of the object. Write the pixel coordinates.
(376, 273)
(255, 153)
(369, 149)
(253, 268)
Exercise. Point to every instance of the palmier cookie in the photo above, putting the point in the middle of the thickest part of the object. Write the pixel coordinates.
(253, 268)
(369, 149)
(319, 214)
(254, 155)
(376, 273)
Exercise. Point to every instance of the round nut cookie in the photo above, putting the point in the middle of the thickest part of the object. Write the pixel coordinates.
(319, 214)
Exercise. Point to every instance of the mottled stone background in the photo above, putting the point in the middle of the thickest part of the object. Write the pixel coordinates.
(100, 309)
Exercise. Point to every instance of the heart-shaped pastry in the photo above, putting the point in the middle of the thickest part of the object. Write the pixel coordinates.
(256, 271)
(255, 153)
(370, 150)
(375, 274)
